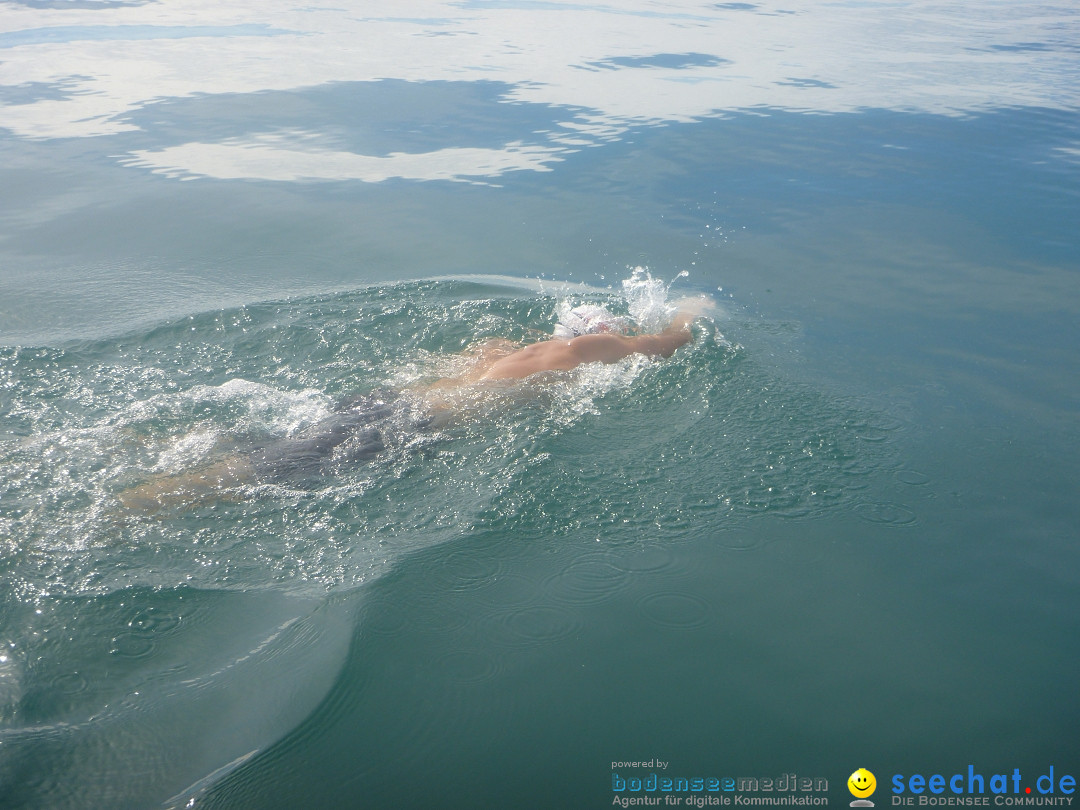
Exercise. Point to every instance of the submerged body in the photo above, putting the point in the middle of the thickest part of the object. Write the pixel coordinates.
(359, 427)
(356, 430)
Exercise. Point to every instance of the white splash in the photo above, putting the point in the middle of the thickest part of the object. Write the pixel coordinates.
(647, 299)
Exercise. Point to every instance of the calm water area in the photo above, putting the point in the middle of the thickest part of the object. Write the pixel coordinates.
(837, 530)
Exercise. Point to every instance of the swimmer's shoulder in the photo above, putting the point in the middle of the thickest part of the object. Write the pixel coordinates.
(604, 347)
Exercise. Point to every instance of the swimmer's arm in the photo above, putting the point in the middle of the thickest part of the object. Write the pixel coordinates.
(610, 348)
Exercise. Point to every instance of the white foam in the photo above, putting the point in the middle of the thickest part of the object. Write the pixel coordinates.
(186, 451)
(646, 299)
(263, 406)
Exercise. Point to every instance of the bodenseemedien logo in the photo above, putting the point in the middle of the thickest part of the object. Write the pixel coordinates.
(652, 789)
(862, 785)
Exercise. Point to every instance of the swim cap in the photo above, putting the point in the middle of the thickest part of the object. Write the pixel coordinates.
(587, 319)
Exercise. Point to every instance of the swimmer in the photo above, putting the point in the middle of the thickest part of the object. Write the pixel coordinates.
(356, 429)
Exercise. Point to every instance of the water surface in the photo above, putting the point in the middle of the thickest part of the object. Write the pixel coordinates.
(838, 530)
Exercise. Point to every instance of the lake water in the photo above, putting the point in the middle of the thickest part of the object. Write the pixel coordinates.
(839, 530)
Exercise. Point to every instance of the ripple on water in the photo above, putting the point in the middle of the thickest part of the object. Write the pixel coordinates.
(132, 645)
(533, 626)
(152, 620)
(508, 588)
(801, 552)
(885, 513)
(912, 477)
(471, 666)
(71, 684)
(644, 559)
(676, 610)
(587, 580)
(878, 430)
(740, 540)
(383, 619)
(464, 569)
(440, 616)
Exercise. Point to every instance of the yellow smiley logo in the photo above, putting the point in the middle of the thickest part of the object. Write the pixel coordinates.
(861, 783)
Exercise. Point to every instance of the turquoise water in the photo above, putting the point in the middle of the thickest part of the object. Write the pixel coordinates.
(836, 531)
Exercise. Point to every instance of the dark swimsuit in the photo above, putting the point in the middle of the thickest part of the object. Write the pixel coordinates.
(357, 430)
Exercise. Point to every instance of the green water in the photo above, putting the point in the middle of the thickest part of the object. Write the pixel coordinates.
(838, 530)
(710, 560)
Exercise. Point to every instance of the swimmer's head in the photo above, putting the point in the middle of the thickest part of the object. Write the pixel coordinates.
(587, 319)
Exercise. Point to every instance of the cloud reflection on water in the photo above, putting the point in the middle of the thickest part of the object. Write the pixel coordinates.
(284, 156)
(602, 69)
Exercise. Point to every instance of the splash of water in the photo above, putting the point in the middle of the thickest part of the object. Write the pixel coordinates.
(644, 297)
